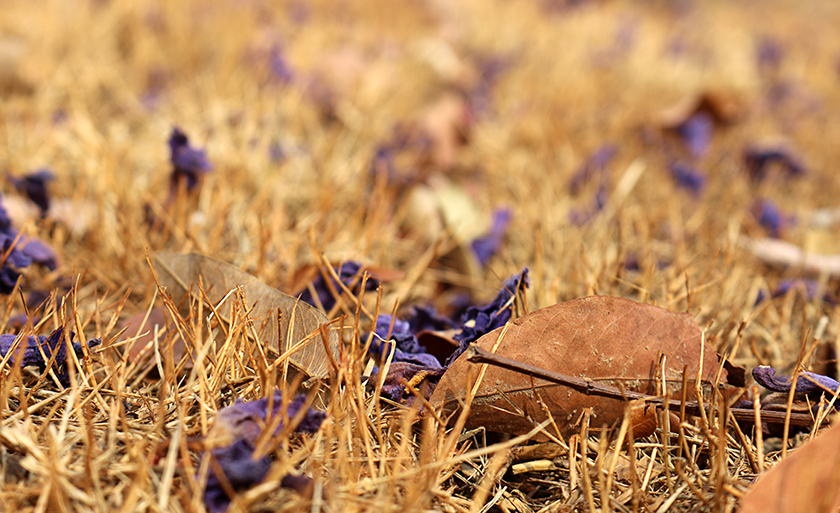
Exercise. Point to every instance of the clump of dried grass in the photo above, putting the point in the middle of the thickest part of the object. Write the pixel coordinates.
(92, 89)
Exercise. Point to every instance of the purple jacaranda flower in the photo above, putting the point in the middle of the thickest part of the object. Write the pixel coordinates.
(243, 423)
(40, 253)
(188, 163)
(14, 260)
(769, 54)
(770, 218)
(34, 186)
(486, 246)
(593, 167)
(241, 470)
(481, 96)
(281, 71)
(631, 263)
(582, 216)
(383, 162)
(422, 318)
(697, 132)
(408, 348)
(766, 376)
(246, 420)
(37, 352)
(25, 251)
(400, 374)
(276, 153)
(688, 178)
(758, 158)
(350, 274)
(479, 321)
(807, 286)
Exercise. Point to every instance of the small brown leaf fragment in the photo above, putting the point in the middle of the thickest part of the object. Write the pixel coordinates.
(157, 317)
(807, 480)
(178, 273)
(610, 340)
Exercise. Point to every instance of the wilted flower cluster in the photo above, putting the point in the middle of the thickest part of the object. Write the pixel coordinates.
(410, 360)
(239, 426)
(39, 351)
(19, 252)
(350, 274)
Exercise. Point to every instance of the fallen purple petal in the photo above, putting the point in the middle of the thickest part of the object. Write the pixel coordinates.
(758, 160)
(581, 217)
(769, 54)
(350, 274)
(485, 247)
(243, 422)
(479, 321)
(400, 374)
(688, 178)
(188, 163)
(37, 352)
(766, 376)
(423, 318)
(34, 186)
(770, 218)
(594, 167)
(246, 420)
(697, 132)
(240, 469)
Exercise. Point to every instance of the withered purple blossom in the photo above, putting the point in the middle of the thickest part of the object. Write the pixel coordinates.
(808, 287)
(478, 321)
(770, 218)
(594, 167)
(582, 216)
(400, 374)
(241, 470)
(24, 252)
(37, 352)
(766, 376)
(188, 163)
(408, 348)
(697, 132)
(688, 178)
(422, 318)
(350, 275)
(244, 422)
(34, 186)
(486, 246)
(759, 158)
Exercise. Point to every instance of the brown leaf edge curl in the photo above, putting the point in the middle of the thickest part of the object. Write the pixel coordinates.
(611, 340)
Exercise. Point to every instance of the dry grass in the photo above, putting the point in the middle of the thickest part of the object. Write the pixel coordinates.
(93, 88)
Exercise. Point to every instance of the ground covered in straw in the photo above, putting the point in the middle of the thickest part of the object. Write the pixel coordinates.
(387, 133)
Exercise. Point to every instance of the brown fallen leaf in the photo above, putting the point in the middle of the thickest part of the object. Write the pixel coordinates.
(807, 480)
(724, 108)
(157, 317)
(606, 339)
(179, 273)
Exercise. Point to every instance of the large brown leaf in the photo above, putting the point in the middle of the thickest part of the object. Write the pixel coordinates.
(179, 272)
(603, 338)
(805, 481)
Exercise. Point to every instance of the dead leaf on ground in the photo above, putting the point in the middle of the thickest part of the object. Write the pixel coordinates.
(807, 480)
(158, 317)
(179, 273)
(607, 339)
(724, 108)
